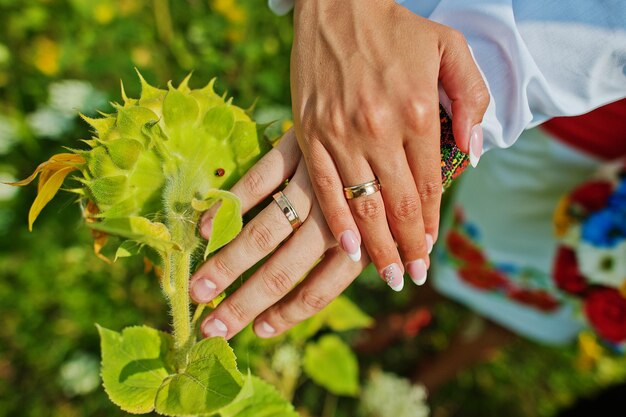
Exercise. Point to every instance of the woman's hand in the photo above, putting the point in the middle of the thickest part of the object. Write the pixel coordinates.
(364, 80)
(268, 294)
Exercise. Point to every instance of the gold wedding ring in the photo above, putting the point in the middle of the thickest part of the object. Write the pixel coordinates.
(288, 210)
(362, 190)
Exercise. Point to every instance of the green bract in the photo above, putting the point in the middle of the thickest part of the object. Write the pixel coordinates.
(153, 167)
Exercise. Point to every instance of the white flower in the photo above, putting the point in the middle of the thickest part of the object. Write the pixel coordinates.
(8, 134)
(49, 123)
(387, 395)
(603, 266)
(72, 96)
(287, 360)
(80, 375)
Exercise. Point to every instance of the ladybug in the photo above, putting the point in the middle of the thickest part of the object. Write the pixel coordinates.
(219, 172)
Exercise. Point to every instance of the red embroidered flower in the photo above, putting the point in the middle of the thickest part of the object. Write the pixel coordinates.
(540, 299)
(464, 249)
(592, 196)
(606, 310)
(483, 277)
(566, 273)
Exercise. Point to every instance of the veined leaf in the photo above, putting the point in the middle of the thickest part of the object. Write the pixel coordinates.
(330, 363)
(139, 229)
(209, 382)
(258, 399)
(134, 365)
(227, 222)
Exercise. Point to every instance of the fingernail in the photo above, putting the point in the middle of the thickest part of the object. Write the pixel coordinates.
(430, 242)
(265, 330)
(476, 144)
(203, 290)
(417, 271)
(207, 228)
(350, 244)
(214, 327)
(393, 277)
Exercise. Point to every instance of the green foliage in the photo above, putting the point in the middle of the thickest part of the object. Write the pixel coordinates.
(331, 363)
(257, 398)
(134, 365)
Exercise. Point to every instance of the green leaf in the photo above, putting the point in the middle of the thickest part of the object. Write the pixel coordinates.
(179, 109)
(124, 152)
(227, 222)
(209, 382)
(127, 249)
(330, 363)
(134, 365)
(342, 314)
(219, 122)
(139, 229)
(258, 399)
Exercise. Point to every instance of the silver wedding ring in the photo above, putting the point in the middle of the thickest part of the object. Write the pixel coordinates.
(288, 210)
(362, 190)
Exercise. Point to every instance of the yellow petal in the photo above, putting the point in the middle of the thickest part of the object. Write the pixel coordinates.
(47, 191)
(55, 163)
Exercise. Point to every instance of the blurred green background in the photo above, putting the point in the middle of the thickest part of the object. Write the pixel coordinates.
(61, 57)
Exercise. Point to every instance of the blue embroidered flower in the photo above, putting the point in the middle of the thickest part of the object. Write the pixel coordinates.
(604, 228)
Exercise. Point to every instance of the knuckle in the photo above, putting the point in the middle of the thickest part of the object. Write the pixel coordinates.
(481, 96)
(429, 190)
(455, 36)
(325, 182)
(254, 181)
(277, 281)
(313, 301)
(260, 237)
(222, 268)
(382, 255)
(372, 119)
(368, 209)
(419, 115)
(405, 209)
(235, 311)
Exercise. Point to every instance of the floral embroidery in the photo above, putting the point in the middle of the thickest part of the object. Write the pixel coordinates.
(530, 287)
(590, 264)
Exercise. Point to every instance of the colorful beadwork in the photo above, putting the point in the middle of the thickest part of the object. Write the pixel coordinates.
(453, 161)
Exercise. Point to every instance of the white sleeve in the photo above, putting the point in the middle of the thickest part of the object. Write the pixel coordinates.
(541, 58)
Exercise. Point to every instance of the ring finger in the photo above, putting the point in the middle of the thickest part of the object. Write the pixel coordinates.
(257, 240)
(369, 213)
(272, 281)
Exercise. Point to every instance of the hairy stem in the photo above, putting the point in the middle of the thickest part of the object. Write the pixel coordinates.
(179, 300)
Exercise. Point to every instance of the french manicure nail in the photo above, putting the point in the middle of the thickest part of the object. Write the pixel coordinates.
(393, 277)
(265, 330)
(476, 144)
(430, 242)
(417, 271)
(214, 327)
(350, 244)
(203, 290)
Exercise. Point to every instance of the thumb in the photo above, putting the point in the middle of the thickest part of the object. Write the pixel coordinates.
(464, 85)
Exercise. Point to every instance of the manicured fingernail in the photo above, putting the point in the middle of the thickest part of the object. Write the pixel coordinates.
(430, 242)
(350, 244)
(393, 277)
(214, 327)
(265, 330)
(417, 271)
(203, 290)
(476, 144)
